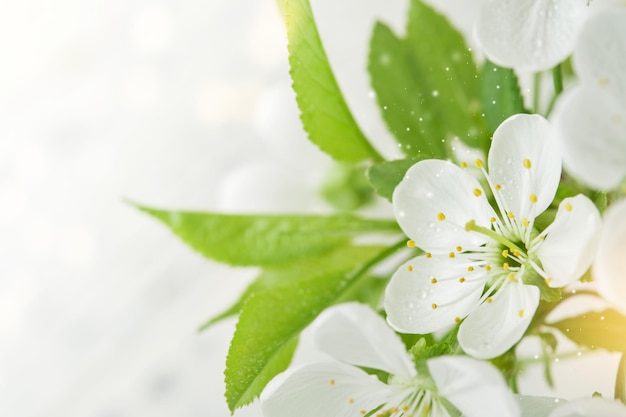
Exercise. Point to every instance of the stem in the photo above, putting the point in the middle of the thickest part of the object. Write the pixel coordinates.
(359, 273)
(557, 79)
(536, 91)
(620, 380)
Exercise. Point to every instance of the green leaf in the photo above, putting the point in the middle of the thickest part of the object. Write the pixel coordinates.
(323, 110)
(426, 84)
(385, 176)
(246, 240)
(500, 94)
(605, 330)
(271, 320)
(346, 188)
(368, 290)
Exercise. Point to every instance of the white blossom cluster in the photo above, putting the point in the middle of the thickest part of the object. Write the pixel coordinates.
(484, 259)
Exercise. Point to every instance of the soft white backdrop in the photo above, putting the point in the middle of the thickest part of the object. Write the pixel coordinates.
(172, 104)
(162, 102)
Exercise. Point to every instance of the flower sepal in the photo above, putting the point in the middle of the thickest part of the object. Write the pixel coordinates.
(423, 350)
(546, 293)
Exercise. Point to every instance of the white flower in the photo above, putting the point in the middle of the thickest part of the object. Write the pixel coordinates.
(356, 336)
(479, 262)
(591, 117)
(529, 35)
(609, 268)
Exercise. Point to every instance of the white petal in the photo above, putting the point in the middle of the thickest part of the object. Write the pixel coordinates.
(569, 248)
(524, 161)
(532, 406)
(609, 268)
(323, 389)
(529, 35)
(415, 304)
(600, 56)
(355, 334)
(474, 387)
(591, 407)
(434, 202)
(590, 127)
(493, 328)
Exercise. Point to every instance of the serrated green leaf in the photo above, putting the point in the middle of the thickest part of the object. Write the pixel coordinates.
(368, 290)
(346, 188)
(270, 320)
(323, 110)
(426, 84)
(500, 94)
(246, 240)
(385, 176)
(597, 330)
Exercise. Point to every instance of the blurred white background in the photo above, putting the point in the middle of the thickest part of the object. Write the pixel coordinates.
(171, 104)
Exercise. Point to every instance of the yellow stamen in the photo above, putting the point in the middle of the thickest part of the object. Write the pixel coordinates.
(470, 268)
(533, 198)
(331, 382)
(505, 266)
(459, 248)
(451, 254)
(410, 243)
(603, 82)
(462, 280)
(498, 187)
(488, 267)
(409, 268)
(477, 192)
(548, 280)
(512, 278)
(505, 253)
(510, 215)
(433, 281)
(489, 300)
(441, 217)
(568, 207)
(457, 319)
(525, 222)
(492, 220)
(351, 400)
(527, 163)
(434, 306)
(463, 165)
(479, 163)
(428, 255)
(521, 313)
